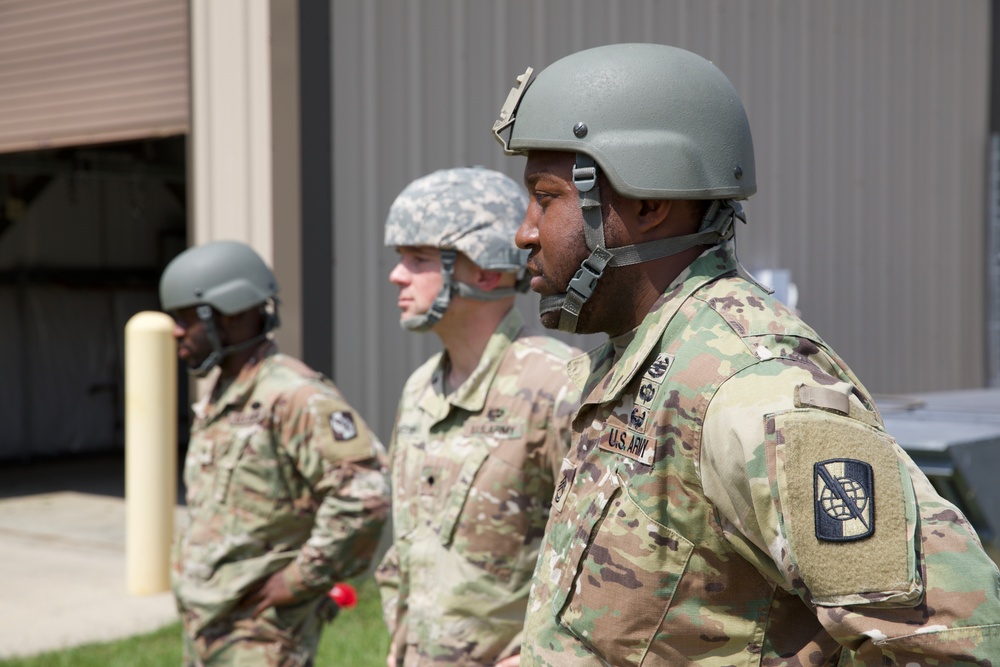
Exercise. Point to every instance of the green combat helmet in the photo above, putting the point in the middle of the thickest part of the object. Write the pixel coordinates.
(658, 121)
(223, 276)
(472, 210)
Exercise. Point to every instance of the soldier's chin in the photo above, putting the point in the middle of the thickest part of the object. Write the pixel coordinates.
(550, 320)
(194, 362)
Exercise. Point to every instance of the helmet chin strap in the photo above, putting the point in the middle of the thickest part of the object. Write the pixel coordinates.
(218, 353)
(716, 226)
(449, 286)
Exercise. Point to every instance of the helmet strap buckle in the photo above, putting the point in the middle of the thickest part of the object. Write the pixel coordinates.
(584, 173)
(581, 288)
(590, 271)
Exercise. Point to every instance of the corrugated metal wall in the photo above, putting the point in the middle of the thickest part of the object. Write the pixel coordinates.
(870, 126)
(78, 72)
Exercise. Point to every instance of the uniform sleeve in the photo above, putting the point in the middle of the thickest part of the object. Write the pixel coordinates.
(389, 579)
(394, 593)
(393, 583)
(825, 504)
(344, 466)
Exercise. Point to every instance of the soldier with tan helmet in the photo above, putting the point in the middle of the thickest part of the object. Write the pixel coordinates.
(731, 496)
(481, 428)
(285, 483)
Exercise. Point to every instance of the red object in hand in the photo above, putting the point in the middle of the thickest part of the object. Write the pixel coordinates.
(344, 595)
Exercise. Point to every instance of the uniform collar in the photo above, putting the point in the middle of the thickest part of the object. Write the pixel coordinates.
(601, 376)
(471, 395)
(237, 392)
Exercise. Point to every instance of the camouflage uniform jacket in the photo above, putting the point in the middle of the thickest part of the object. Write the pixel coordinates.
(280, 473)
(472, 477)
(733, 499)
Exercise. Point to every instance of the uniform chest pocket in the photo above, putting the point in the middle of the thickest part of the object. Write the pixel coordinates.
(625, 579)
(201, 480)
(458, 493)
(254, 475)
(487, 514)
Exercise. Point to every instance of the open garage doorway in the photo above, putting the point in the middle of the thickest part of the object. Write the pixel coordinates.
(84, 235)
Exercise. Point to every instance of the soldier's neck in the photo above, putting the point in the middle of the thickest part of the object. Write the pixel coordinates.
(464, 340)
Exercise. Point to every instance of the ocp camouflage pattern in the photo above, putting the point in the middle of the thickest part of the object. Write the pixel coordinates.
(472, 476)
(470, 209)
(281, 473)
(692, 519)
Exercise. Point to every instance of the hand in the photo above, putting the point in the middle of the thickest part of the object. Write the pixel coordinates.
(272, 593)
(512, 661)
(390, 660)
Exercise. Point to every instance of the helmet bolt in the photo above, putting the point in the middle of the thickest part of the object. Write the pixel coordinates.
(580, 130)
(738, 172)
(198, 292)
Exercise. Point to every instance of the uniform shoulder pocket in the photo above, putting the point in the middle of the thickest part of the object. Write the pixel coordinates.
(340, 434)
(847, 508)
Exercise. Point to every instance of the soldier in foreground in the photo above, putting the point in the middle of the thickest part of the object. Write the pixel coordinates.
(480, 432)
(731, 496)
(286, 485)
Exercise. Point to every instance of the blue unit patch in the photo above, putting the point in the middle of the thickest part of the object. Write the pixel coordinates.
(844, 500)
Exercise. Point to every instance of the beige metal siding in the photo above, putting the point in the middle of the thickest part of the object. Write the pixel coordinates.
(231, 123)
(244, 139)
(870, 127)
(82, 72)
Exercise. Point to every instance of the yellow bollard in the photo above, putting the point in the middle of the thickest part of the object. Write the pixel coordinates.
(150, 451)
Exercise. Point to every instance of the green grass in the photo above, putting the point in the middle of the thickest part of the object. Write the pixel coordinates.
(356, 638)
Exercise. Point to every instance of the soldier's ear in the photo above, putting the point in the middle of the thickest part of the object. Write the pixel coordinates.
(470, 273)
(652, 214)
(488, 280)
(236, 328)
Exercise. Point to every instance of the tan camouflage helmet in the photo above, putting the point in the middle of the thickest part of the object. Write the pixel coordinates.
(658, 121)
(472, 210)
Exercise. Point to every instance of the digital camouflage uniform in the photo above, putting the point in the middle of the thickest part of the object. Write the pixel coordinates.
(472, 475)
(733, 499)
(281, 473)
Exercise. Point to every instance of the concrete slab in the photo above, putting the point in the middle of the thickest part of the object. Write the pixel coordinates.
(62, 581)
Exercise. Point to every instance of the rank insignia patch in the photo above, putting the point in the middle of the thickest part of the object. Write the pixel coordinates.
(343, 426)
(566, 476)
(843, 500)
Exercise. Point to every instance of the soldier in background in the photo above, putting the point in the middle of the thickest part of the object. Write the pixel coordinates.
(731, 496)
(481, 427)
(286, 485)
